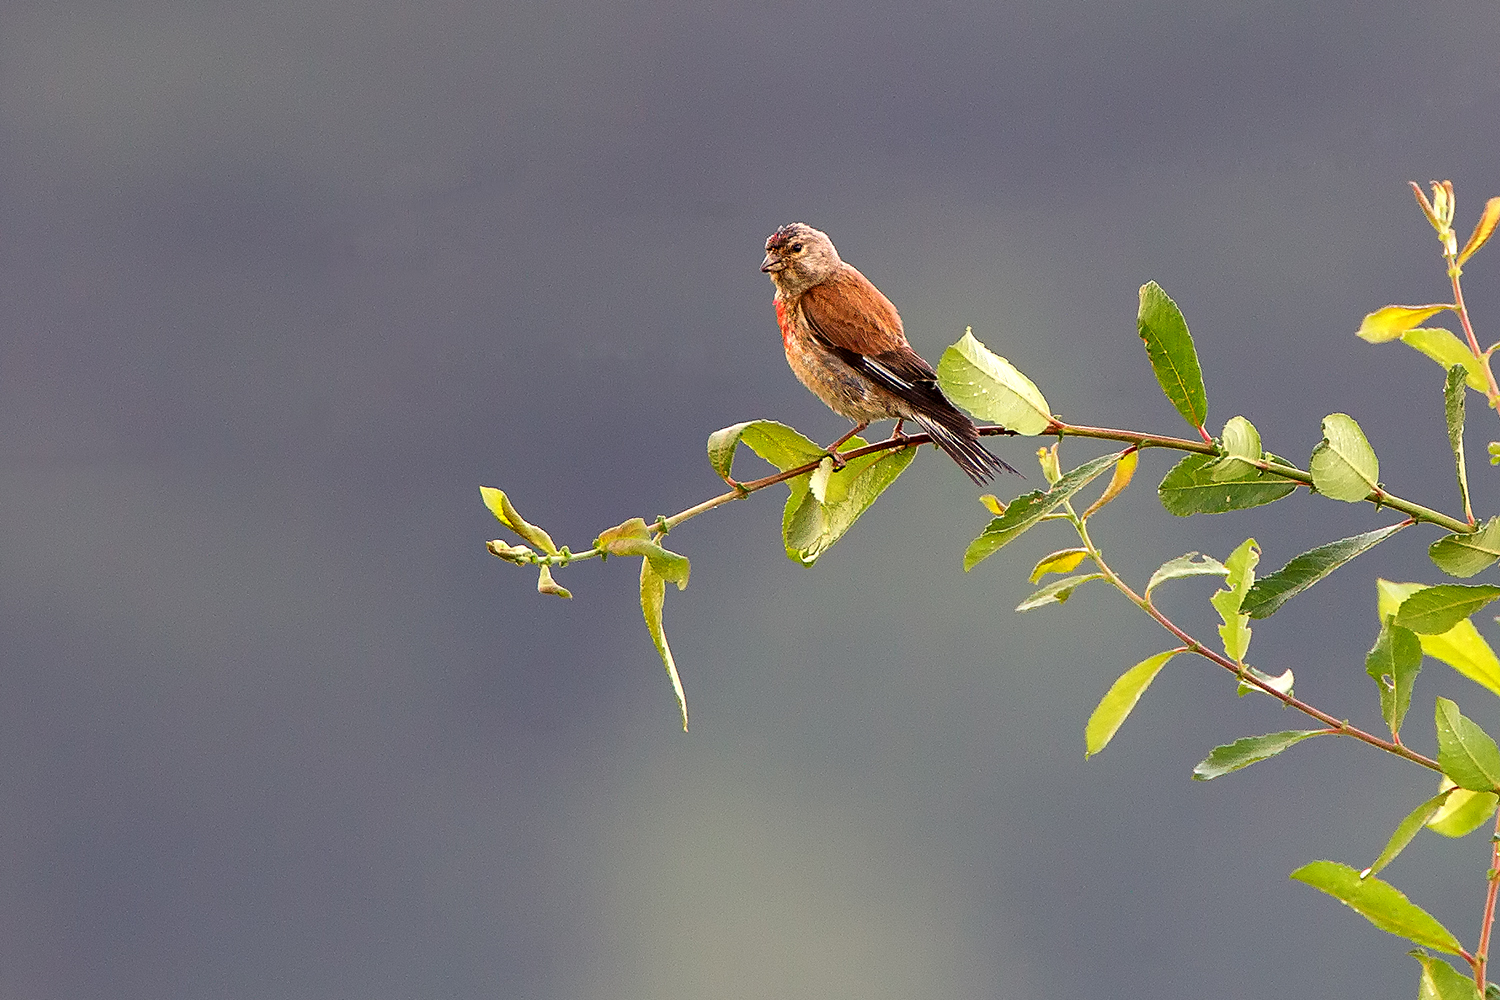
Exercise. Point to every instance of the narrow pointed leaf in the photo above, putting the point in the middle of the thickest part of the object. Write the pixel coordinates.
(1272, 591)
(1406, 831)
(1061, 561)
(1057, 591)
(822, 507)
(505, 512)
(1124, 472)
(1120, 700)
(653, 597)
(1441, 981)
(1236, 628)
(1483, 230)
(1191, 564)
(1394, 662)
(1379, 902)
(992, 388)
(1447, 350)
(1173, 357)
(1454, 398)
(1435, 610)
(1390, 322)
(1465, 752)
(1026, 510)
(775, 442)
(1195, 486)
(1344, 466)
(1463, 812)
(1248, 750)
(1463, 555)
(1461, 647)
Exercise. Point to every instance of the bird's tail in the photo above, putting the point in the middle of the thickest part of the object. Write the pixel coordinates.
(957, 435)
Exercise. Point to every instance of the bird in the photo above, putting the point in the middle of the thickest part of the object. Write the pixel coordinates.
(845, 342)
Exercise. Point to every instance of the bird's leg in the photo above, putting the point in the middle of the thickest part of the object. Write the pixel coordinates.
(896, 434)
(833, 449)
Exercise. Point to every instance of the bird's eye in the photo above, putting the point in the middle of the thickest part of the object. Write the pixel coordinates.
(796, 248)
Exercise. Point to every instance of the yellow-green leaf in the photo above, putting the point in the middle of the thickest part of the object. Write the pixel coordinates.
(992, 388)
(1390, 322)
(1379, 902)
(1483, 230)
(1118, 702)
(653, 597)
(1447, 350)
(505, 512)
(1461, 647)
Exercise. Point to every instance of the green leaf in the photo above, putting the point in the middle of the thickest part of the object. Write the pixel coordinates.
(1379, 902)
(1191, 564)
(1406, 831)
(1344, 466)
(1441, 981)
(775, 442)
(1435, 610)
(1242, 446)
(1453, 410)
(1119, 701)
(1464, 812)
(992, 388)
(1389, 322)
(1124, 472)
(1061, 561)
(1483, 229)
(1194, 486)
(1236, 628)
(1464, 555)
(653, 597)
(1461, 647)
(1447, 350)
(1026, 510)
(1465, 752)
(1057, 591)
(1169, 346)
(499, 504)
(1394, 662)
(1271, 592)
(1248, 750)
(1494, 451)
(825, 504)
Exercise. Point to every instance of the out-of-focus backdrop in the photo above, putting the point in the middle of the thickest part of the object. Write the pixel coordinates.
(282, 285)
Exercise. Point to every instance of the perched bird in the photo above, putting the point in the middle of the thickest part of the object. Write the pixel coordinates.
(844, 342)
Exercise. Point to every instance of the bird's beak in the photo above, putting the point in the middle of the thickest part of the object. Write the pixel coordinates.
(772, 264)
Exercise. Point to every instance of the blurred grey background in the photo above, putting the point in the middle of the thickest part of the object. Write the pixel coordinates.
(283, 284)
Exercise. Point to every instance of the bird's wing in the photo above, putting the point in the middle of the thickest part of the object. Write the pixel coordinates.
(849, 312)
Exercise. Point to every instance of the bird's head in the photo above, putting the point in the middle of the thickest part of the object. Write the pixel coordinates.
(798, 257)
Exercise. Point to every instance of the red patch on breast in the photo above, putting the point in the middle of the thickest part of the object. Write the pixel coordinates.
(786, 333)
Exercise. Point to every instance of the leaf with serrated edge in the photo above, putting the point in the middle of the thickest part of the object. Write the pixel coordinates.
(1406, 830)
(1483, 229)
(1344, 466)
(1057, 591)
(814, 519)
(1061, 561)
(1379, 902)
(1434, 610)
(1447, 350)
(1454, 398)
(1248, 750)
(1467, 554)
(1393, 663)
(991, 388)
(653, 597)
(1120, 700)
(1441, 981)
(1273, 590)
(1191, 487)
(1464, 812)
(1236, 628)
(1169, 346)
(1191, 564)
(1389, 322)
(1027, 509)
(1461, 647)
(1465, 752)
